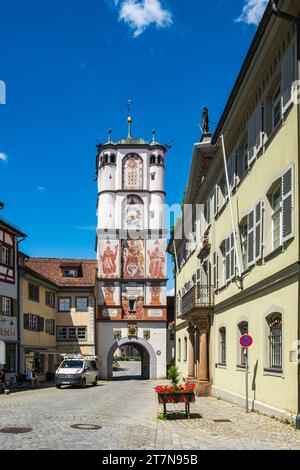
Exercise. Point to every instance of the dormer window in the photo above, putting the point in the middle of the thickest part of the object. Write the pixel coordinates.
(70, 273)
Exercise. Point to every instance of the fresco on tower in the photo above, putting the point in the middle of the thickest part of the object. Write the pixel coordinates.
(133, 259)
(156, 259)
(109, 259)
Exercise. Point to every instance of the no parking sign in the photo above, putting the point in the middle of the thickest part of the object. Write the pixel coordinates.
(246, 341)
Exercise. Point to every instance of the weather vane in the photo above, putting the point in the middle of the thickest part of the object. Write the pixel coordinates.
(129, 105)
(129, 120)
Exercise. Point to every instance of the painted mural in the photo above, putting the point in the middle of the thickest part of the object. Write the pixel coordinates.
(156, 294)
(156, 259)
(133, 302)
(109, 293)
(133, 172)
(109, 259)
(133, 259)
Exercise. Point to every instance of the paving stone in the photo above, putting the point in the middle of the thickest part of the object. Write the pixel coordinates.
(127, 412)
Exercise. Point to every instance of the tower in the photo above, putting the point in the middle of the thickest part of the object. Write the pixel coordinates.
(131, 252)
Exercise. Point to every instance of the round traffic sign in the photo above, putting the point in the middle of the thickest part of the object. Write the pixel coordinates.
(246, 341)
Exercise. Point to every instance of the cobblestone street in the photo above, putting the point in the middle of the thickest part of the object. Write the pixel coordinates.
(127, 411)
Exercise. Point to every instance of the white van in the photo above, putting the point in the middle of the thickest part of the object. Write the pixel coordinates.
(78, 371)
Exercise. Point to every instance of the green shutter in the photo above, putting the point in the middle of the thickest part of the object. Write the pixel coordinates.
(26, 321)
(15, 307)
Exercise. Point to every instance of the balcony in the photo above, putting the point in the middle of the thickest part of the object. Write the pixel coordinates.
(200, 299)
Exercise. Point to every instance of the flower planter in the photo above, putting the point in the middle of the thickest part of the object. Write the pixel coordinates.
(182, 394)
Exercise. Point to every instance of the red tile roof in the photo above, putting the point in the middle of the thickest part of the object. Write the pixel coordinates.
(52, 269)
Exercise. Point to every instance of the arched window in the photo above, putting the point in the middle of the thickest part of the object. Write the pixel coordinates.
(242, 330)
(106, 157)
(179, 349)
(113, 158)
(159, 159)
(274, 321)
(152, 159)
(185, 349)
(133, 213)
(222, 346)
(132, 172)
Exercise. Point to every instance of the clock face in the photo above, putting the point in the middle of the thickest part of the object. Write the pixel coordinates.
(134, 217)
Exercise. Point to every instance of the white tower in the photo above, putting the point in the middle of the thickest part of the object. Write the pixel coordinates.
(131, 252)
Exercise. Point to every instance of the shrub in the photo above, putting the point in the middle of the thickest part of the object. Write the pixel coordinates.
(173, 375)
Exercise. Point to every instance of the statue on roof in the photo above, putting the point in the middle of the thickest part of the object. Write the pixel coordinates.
(205, 121)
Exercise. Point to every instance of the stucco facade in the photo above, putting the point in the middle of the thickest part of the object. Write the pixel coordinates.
(247, 260)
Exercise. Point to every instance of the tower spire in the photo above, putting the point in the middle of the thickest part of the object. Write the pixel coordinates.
(129, 119)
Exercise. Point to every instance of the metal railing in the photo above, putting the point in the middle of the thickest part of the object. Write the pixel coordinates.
(199, 296)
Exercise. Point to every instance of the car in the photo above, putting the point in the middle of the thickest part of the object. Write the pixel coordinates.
(78, 371)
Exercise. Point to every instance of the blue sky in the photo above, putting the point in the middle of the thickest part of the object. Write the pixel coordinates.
(70, 67)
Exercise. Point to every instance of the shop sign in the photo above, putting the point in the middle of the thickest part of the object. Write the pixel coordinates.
(8, 328)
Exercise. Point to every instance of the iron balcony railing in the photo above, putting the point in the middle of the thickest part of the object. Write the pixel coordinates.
(197, 297)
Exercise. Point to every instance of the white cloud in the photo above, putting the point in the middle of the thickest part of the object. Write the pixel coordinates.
(171, 292)
(87, 228)
(252, 12)
(139, 14)
(40, 188)
(3, 157)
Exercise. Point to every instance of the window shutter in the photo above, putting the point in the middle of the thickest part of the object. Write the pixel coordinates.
(258, 129)
(216, 270)
(258, 230)
(251, 237)
(216, 200)
(287, 77)
(11, 257)
(287, 182)
(26, 321)
(268, 116)
(232, 256)
(227, 259)
(251, 138)
(14, 307)
(41, 323)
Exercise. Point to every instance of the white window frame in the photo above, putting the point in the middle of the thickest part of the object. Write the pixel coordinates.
(5, 255)
(6, 306)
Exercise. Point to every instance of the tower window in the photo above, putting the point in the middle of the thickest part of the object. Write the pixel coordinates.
(159, 159)
(152, 176)
(132, 305)
(152, 160)
(113, 158)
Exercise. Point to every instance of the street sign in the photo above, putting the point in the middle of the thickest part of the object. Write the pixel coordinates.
(246, 341)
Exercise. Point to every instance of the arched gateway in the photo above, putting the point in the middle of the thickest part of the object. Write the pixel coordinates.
(147, 353)
(131, 253)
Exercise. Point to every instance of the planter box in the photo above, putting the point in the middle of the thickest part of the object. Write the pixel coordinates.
(176, 398)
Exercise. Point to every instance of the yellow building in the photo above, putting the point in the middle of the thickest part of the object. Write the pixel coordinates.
(241, 273)
(57, 311)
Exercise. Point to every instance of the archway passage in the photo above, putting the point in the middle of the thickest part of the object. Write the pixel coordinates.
(146, 369)
(129, 361)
